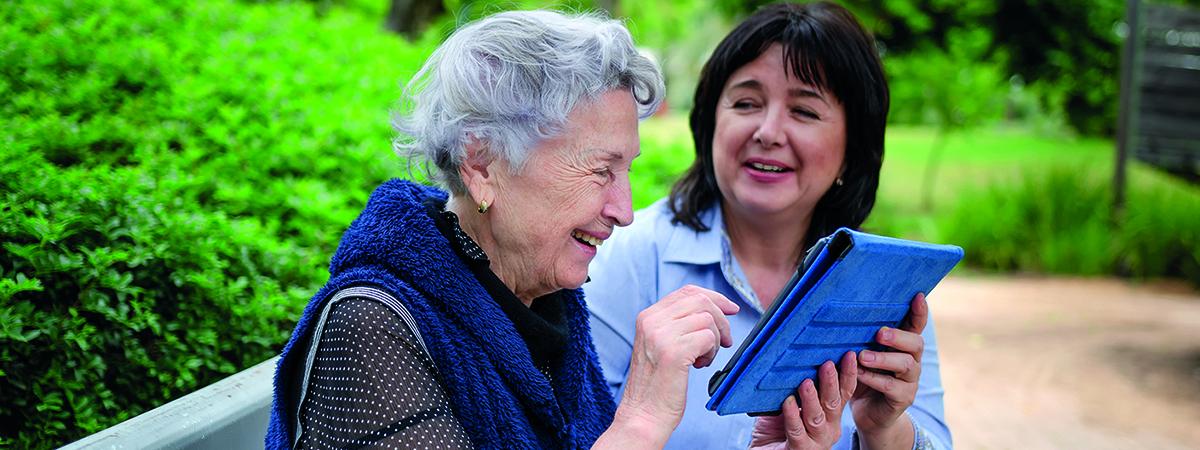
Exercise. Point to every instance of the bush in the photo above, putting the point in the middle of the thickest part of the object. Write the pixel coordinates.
(223, 89)
(953, 88)
(173, 179)
(1066, 50)
(116, 297)
(1059, 220)
(1160, 232)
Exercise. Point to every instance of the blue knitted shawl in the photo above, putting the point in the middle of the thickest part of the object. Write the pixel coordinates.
(493, 385)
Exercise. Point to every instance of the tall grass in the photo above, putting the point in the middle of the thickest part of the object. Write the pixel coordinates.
(1052, 221)
(1059, 220)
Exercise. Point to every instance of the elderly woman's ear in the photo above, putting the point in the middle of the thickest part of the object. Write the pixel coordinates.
(478, 174)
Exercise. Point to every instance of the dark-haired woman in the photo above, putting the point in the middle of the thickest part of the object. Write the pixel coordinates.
(788, 122)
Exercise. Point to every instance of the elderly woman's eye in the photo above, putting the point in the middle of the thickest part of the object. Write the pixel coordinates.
(604, 173)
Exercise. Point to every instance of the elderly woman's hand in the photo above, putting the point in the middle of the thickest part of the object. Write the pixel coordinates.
(816, 422)
(681, 331)
(889, 385)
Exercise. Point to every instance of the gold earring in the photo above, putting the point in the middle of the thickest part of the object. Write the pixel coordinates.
(483, 207)
(838, 181)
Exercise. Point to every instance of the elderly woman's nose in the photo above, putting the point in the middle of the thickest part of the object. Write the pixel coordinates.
(770, 128)
(619, 207)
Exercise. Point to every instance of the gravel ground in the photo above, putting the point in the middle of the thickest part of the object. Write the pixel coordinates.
(1053, 363)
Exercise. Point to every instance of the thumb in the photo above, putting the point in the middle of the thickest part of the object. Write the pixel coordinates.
(918, 314)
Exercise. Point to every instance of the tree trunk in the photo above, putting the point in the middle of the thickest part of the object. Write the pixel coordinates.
(409, 17)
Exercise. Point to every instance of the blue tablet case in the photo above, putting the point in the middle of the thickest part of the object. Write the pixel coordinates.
(850, 285)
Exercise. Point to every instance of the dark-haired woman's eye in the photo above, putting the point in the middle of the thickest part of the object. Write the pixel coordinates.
(744, 104)
(807, 114)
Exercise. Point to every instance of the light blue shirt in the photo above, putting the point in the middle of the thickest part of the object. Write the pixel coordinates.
(640, 264)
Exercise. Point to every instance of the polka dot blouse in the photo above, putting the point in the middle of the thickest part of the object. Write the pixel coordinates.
(373, 386)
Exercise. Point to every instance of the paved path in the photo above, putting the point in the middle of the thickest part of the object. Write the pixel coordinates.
(1037, 363)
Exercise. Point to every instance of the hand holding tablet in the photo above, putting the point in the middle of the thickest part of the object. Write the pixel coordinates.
(851, 285)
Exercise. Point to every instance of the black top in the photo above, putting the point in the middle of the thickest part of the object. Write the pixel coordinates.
(371, 382)
(542, 325)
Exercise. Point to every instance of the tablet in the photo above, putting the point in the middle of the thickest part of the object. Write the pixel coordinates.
(850, 284)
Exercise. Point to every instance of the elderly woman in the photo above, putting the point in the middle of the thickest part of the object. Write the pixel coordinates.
(788, 124)
(454, 319)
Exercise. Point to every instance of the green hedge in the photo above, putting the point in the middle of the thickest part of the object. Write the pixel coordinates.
(117, 296)
(175, 176)
(1059, 220)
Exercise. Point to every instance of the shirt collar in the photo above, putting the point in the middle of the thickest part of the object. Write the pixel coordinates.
(689, 246)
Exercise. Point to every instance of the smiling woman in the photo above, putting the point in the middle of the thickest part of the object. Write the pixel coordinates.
(572, 192)
(779, 145)
(454, 319)
(788, 125)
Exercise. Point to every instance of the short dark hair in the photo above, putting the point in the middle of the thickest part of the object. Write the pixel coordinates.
(825, 46)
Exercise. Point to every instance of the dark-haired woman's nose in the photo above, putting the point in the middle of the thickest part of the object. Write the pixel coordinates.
(770, 130)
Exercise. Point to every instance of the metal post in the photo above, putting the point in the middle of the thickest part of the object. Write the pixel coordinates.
(1125, 129)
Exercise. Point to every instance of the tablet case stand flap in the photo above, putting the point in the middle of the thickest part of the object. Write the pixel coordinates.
(855, 284)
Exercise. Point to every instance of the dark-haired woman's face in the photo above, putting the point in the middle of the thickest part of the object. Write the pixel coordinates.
(779, 143)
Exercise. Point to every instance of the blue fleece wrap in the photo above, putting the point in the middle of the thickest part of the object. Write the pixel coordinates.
(494, 388)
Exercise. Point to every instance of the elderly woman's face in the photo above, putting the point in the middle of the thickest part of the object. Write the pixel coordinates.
(573, 190)
(779, 143)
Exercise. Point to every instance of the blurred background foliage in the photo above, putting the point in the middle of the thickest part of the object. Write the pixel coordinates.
(174, 175)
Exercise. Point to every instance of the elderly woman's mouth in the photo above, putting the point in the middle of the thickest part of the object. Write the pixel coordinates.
(586, 239)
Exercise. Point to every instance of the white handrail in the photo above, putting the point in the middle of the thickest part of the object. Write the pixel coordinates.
(229, 414)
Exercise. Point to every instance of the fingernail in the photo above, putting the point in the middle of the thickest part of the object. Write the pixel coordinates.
(885, 333)
(868, 356)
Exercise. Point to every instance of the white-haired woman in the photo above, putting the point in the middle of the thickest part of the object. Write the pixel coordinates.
(455, 319)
